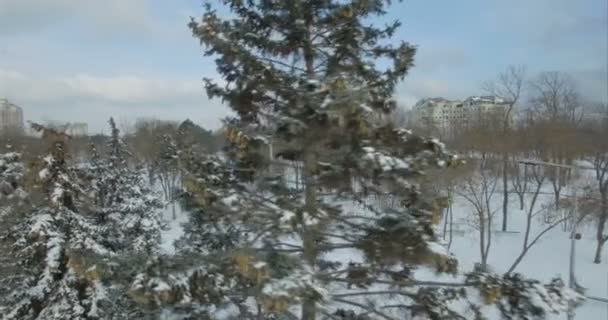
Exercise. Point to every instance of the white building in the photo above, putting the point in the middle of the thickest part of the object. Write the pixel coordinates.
(446, 114)
(440, 113)
(78, 129)
(11, 117)
(485, 108)
(74, 129)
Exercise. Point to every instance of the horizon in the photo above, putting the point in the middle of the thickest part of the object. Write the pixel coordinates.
(85, 62)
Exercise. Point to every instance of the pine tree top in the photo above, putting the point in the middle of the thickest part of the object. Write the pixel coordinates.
(267, 47)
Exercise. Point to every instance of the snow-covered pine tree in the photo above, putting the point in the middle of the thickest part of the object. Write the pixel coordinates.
(128, 214)
(206, 231)
(128, 209)
(13, 200)
(309, 73)
(12, 175)
(56, 245)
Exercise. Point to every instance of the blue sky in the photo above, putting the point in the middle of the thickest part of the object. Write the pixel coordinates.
(87, 60)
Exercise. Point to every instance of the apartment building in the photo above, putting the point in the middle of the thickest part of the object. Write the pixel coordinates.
(447, 114)
(74, 129)
(11, 117)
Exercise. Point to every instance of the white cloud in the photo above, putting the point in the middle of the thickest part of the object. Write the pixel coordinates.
(121, 88)
(93, 99)
(17, 16)
(130, 89)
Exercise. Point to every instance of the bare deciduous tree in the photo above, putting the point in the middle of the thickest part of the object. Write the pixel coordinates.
(508, 85)
(556, 97)
(538, 178)
(144, 142)
(478, 190)
(445, 184)
(519, 182)
(558, 113)
(126, 126)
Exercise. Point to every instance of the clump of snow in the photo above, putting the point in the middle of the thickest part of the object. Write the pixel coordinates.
(44, 174)
(309, 219)
(287, 216)
(386, 162)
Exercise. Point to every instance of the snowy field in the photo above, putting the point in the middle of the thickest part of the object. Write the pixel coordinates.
(173, 228)
(547, 259)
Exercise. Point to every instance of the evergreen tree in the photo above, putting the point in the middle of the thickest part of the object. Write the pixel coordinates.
(54, 246)
(206, 231)
(193, 136)
(13, 200)
(129, 217)
(308, 74)
(70, 254)
(12, 175)
(128, 210)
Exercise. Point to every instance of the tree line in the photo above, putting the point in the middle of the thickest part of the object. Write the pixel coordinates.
(547, 137)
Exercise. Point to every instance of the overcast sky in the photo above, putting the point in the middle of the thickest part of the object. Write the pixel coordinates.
(87, 60)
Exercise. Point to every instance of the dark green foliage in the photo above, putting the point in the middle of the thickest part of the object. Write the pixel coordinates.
(193, 136)
(519, 298)
(262, 53)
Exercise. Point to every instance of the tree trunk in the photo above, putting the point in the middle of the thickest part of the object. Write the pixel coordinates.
(310, 251)
(598, 252)
(297, 175)
(557, 183)
(518, 260)
(601, 239)
(446, 214)
(482, 242)
(524, 189)
(309, 308)
(260, 315)
(505, 186)
(557, 196)
(451, 213)
(151, 175)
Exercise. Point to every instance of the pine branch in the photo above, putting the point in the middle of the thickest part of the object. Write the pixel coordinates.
(371, 293)
(364, 307)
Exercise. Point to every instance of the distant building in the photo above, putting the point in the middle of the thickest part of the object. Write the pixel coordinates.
(445, 114)
(74, 129)
(11, 117)
(78, 129)
(485, 108)
(440, 113)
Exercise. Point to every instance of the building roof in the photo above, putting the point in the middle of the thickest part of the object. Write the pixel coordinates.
(472, 100)
(487, 99)
(6, 105)
(430, 101)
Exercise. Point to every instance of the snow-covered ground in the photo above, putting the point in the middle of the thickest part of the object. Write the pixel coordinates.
(174, 229)
(547, 259)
